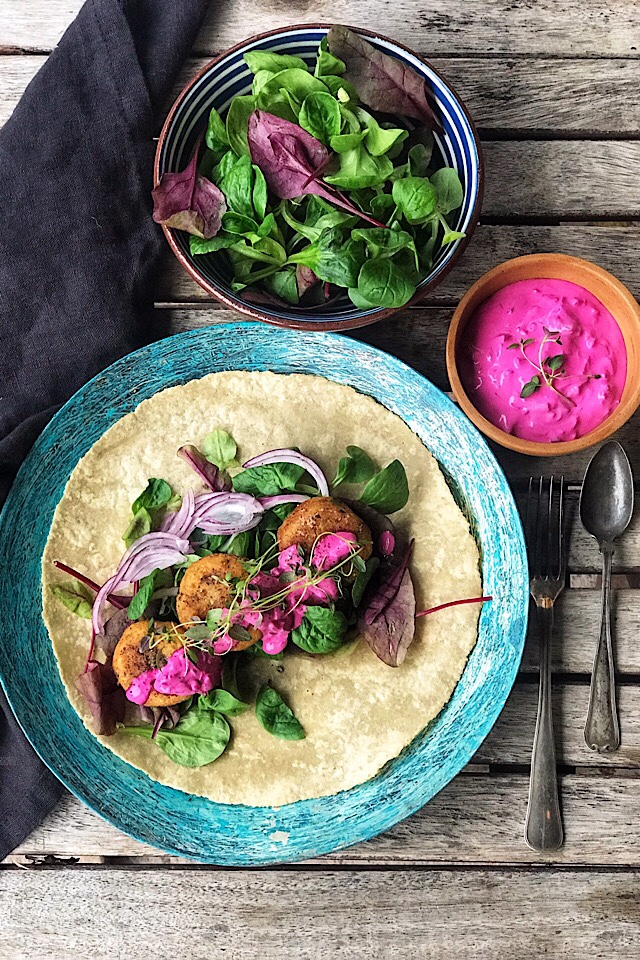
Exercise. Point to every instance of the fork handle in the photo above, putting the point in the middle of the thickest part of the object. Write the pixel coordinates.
(543, 828)
(602, 730)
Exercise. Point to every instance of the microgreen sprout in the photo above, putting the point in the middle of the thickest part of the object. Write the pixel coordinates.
(549, 370)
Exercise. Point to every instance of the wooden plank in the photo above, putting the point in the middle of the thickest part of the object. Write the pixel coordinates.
(591, 28)
(612, 246)
(405, 914)
(511, 739)
(576, 633)
(556, 179)
(475, 819)
(570, 96)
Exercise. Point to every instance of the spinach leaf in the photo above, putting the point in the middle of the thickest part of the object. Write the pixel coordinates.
(450, 236)
(320, 116)
(343, 142)
(388, 491)
(359, 169)
(449, 192)
(326, 63)
(276, 717)
(239, 545)
(382, 205)
(216, 136)
(240, 110)
(359, 301)
(379, 140)
(384, 284)
(258, 60)
(197, 245)
(200, 737)
(418, 158)
(332, 259)
(259, 195)
(74, 596)
(141, 524)
(224, 165)
(381, 242)
(322, 630)
(157, 494)
(220, 448)
(259, 80)
(416, 197)
(340, 88)
(362, 579)
(284, 284)
(224, 702)
(269, 480)
(296, 82)
(239, 224)
(356, 467)
(237, 187)
(141, 598)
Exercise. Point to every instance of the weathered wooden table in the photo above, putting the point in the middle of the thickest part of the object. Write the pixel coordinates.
(555, 90)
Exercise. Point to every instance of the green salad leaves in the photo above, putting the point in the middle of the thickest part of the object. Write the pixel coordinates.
(321, 194)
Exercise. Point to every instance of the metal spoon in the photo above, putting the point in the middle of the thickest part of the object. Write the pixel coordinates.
(606, 507)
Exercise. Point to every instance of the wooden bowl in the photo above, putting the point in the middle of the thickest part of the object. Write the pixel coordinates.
(556, 266)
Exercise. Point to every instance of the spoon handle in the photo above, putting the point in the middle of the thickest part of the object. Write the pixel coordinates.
(601, 731)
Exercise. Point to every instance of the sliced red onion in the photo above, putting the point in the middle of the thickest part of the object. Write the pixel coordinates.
(275, 501)
(292, 456)
(153, 551)
(227, 513)
(214, 478)
(180, 524)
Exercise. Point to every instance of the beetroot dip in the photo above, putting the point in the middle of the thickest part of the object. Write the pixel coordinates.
(543, 360)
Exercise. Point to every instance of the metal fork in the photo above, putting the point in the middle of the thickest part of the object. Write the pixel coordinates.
(547, 570)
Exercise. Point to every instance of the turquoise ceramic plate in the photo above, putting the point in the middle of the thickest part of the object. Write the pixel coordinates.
(188, 825)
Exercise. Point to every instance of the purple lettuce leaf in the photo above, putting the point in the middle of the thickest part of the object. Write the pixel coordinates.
(382, 82)
(217, 480)
(290, 159)
(104, 696)
(392, 631)
(113, 629)
(305, 279)
(166, 717)
(387, 584)
(188, 201)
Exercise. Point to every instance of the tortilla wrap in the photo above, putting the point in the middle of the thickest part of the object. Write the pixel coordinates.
(357, 712)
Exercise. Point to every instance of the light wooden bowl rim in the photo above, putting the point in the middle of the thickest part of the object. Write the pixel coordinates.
(613, 294)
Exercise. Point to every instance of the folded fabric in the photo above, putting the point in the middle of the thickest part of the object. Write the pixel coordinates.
(78, 256)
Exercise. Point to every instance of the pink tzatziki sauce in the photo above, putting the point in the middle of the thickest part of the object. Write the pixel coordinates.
(583, 345)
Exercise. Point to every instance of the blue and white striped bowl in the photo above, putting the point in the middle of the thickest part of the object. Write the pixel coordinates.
(226, 77)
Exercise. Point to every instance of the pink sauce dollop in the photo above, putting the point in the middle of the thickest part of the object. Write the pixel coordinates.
(590, 379)
(179, 677)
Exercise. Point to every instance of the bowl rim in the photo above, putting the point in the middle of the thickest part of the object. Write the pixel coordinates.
(505, 270)
(253, 311)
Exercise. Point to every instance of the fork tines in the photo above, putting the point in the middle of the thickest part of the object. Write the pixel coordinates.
(544, 528)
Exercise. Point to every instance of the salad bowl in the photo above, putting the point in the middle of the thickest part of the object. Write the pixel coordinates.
(227, 77)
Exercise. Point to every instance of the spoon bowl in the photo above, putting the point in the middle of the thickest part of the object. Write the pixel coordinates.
(606, 502)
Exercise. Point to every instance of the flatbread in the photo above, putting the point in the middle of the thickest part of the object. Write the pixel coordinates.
(357, 712)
